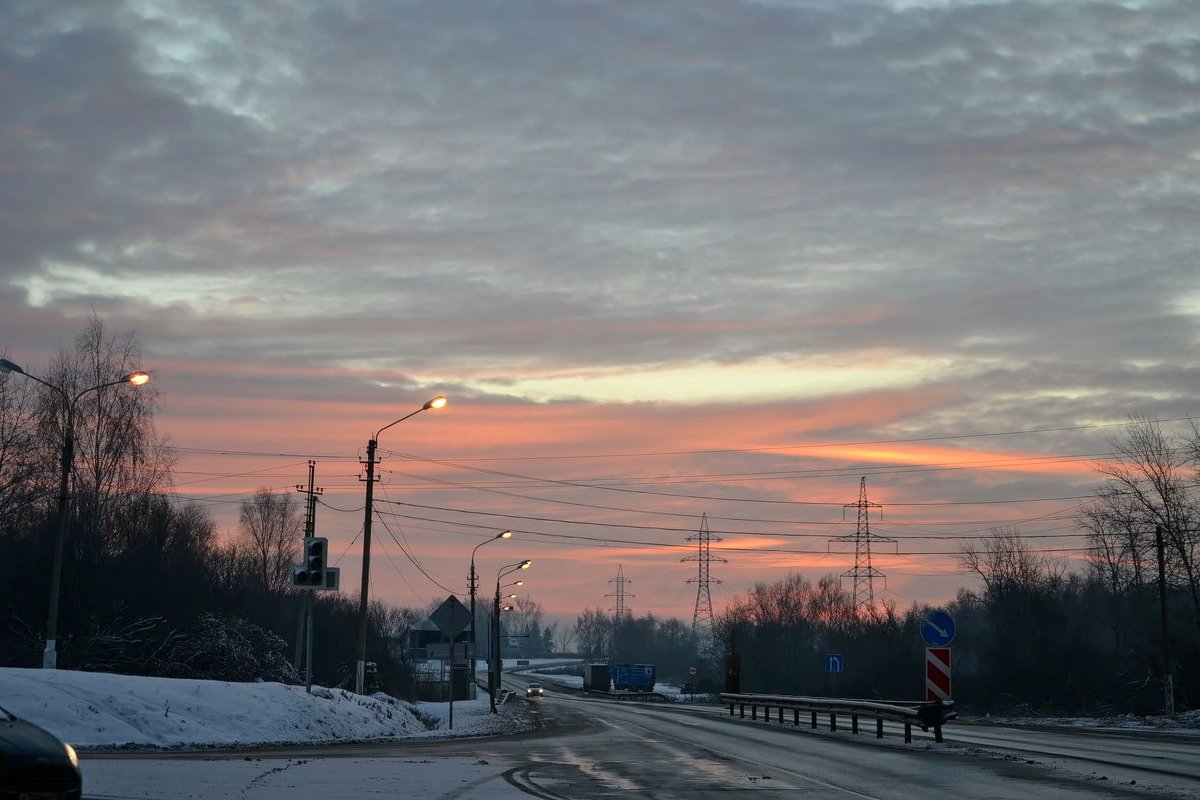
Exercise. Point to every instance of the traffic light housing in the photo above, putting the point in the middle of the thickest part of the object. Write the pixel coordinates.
(310, 573)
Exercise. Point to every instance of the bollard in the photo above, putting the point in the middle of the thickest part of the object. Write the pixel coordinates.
(879, 727)
(854, 723)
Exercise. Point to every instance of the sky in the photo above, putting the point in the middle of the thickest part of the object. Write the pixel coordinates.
(672, 264)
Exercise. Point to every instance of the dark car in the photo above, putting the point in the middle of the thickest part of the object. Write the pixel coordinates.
(35, 764)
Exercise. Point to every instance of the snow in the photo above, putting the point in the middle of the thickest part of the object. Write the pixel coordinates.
(100, 713)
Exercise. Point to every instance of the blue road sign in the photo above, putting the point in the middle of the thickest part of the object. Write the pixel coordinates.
(834, 662)
(937, 629)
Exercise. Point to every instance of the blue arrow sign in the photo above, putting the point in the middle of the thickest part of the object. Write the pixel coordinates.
(937, 628)
(834, 662)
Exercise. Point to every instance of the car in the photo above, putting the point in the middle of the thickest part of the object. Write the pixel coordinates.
(35, 763)
(534, 690)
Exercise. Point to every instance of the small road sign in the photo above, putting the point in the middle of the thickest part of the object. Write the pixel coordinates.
(834, 662)
(691, 670)
(937, 673)
(451, 617)
(937, 628)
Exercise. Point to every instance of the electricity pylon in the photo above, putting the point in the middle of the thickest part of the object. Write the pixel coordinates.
(620, 611)
(863, 573)
(702, 618)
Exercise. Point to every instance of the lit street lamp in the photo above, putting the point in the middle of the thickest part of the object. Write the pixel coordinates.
(360, 671)
(497, 661)
(472, 587)
(50, 655)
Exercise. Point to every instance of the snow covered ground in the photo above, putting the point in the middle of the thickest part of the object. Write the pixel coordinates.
(100, 713)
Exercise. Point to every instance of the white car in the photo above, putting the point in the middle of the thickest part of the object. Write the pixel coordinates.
(534, 690)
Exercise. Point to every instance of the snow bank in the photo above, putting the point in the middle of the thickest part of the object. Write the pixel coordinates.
(99, 710)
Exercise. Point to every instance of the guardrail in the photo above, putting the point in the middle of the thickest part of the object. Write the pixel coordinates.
(926, 715)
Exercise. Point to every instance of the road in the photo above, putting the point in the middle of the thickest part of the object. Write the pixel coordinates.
(588, 748)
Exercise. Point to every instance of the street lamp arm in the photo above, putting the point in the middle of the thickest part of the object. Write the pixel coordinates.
(136, 378)
(436, 402)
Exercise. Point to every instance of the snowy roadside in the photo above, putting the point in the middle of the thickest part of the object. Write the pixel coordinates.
(100, 711)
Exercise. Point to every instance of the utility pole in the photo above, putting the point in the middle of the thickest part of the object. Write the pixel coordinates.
(1168, 673)
(310, 528)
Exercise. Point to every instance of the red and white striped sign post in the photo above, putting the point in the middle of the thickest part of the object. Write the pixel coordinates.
(937, 673)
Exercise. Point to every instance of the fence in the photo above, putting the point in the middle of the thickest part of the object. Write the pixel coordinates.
(926, 715)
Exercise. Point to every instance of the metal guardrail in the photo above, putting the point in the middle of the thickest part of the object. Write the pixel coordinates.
(926, 715)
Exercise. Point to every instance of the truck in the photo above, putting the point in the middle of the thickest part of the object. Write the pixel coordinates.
(596, 678)
(632, 677)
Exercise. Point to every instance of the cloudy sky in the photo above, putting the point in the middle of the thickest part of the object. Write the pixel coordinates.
(666, 259)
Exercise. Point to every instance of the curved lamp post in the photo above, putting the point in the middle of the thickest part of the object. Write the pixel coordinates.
(360, 671)
(497, 661)
(50, 655)
(472, 587)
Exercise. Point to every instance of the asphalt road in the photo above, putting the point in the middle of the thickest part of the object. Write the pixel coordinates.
(587, 748)
(595, 748)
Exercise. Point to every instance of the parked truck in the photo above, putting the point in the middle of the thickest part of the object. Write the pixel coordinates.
(632, 677)
(596, 678)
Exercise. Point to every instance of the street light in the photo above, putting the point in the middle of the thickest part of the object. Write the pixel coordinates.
(66, 462)
(360, 671)
(497, 661)
(472, 586)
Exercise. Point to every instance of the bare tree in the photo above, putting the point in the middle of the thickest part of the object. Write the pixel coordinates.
(1151, 484)
(18, 464)
(118, 456)
(1007, 564)
(525, 618)
(1122, 555)
(271, 529)
(593, 630)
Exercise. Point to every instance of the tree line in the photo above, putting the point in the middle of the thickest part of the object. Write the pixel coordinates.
(150, 588)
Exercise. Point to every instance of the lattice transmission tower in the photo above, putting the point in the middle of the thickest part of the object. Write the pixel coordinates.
(863, 573)
(620, 610)
(702, 618)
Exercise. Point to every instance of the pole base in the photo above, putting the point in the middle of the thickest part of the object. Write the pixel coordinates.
(49, 656)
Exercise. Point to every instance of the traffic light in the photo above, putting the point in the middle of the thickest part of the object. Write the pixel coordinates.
(310, 573)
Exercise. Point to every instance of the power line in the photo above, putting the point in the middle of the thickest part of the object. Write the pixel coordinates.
(767, 448)
(667, 529)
